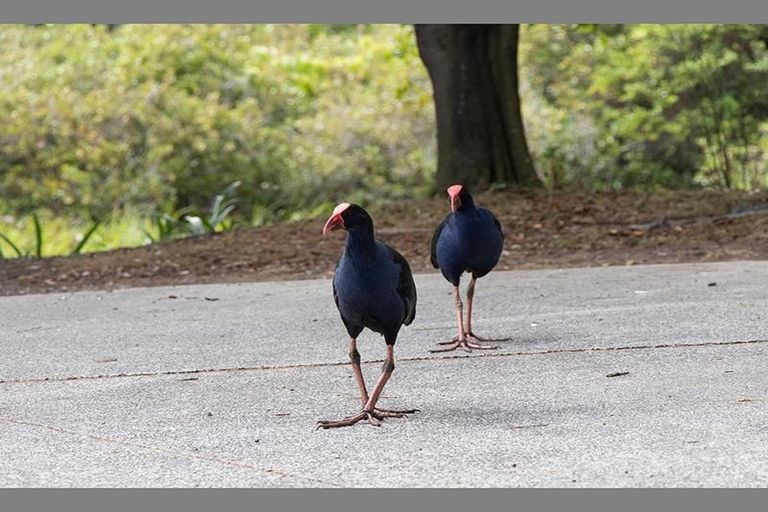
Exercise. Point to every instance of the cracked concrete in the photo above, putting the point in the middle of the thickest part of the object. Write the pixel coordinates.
(636, 376)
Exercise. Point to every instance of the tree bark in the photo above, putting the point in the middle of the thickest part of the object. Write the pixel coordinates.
(480, 133)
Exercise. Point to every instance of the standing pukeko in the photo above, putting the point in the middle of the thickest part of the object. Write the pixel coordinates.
(373, 287)
(469, 239)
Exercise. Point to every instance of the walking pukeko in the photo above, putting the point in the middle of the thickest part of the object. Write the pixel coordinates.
(373, 287)
(469, 239)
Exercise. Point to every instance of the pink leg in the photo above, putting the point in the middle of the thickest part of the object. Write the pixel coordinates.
(462, 339)
(470, 299)
(354, 356)
(370, 412)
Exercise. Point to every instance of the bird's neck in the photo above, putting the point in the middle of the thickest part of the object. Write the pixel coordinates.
(466, 208)
(360, 243)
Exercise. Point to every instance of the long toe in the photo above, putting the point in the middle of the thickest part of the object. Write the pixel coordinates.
(464, 344)
(450, 346)
(393, 413)
(475, 337)
(480, 346)
(349, 421)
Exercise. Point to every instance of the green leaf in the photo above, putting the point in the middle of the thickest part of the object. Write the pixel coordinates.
(195, 225)
(38, 236)
(86, 237)
(13, 246)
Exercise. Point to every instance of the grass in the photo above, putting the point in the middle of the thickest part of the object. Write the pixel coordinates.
(47, 235)
(63, 236)
(57, 235)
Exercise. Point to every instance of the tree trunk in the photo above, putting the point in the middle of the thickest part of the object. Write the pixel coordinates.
(480, 134)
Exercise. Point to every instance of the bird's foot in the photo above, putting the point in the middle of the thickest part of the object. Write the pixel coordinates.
(465, 344)
(450, 342)
(350, 420)
(393, 413)
(474, 337)
(374, 417)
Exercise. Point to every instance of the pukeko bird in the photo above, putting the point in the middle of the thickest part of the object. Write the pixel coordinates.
(469, 239)
(373, 287)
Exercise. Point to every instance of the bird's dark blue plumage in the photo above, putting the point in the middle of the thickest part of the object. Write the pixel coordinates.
(373, 286)
(469, 239)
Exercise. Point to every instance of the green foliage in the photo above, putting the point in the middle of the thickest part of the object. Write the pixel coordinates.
(38, 235)
(155, 116)
(66, 235)
(611, 106)
(165, 227)
(223, 204)
(10, 242)
(34, 241)
(119, 137)
(187, 221)
(87, 236)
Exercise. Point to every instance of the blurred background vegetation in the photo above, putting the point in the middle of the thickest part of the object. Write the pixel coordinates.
(120, 136)
(615, 106)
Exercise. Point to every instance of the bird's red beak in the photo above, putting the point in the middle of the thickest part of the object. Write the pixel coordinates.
(453, 192)
(335, 221)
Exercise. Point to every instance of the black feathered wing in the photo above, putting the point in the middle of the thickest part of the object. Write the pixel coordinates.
(349, 325)
(495, 221)
(335, 293)
(406, 288)
(435, 237)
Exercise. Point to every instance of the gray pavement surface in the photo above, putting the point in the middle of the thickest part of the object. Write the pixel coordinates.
(221, 385)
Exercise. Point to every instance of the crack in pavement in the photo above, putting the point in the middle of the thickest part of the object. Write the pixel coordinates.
(376, 361)
(175, 453)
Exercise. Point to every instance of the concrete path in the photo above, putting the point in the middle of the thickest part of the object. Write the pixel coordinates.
(635, 376)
